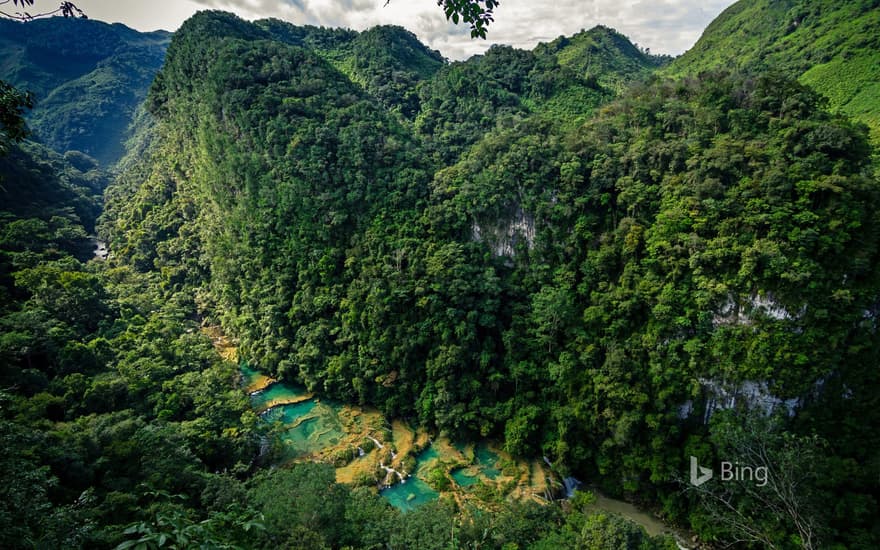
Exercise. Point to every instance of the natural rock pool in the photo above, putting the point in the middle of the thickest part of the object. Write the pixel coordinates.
(316, 429)
(307, 425)
(409, 495)
(408, 468)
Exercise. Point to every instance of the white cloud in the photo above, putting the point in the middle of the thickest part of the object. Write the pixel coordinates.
(664, 26)
(144, 16)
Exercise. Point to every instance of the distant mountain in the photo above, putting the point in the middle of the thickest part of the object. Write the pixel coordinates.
(387, 61)
(563, 82)
(833, 46)
(88, 78)
(603, 54)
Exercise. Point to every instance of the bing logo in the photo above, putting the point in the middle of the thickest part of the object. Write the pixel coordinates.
(730, 471)
(699, 475)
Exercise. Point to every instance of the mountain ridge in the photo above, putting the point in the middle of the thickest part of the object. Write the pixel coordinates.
(86, 88)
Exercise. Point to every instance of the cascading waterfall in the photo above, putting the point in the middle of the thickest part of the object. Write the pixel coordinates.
(571, 485)
(308, 426)
(400, 476)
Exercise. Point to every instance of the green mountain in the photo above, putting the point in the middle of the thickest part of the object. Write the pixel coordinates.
(602, 54)
(562, 82)
(832, 46)
(88, 77)
(273, 137)
(386, 61)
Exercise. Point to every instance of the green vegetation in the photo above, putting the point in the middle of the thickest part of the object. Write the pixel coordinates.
(88, 78)
(388, 62)
(602, 55)
(13, 102)
(566, 285)
(111, 397)
(123, 428)
(831, 46)
(558, 249)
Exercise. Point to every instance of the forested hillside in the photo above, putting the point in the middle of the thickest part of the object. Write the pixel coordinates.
(831, 46)
(304, 191)
(87, 77)
(597, 261)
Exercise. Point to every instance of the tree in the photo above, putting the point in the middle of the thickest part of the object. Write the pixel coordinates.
(304, 501)
(169, 526)
(784, 497)
(67, 9)
(477, 13)
(13, 102)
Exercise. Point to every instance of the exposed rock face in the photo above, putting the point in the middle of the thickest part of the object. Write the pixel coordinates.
(504, 236)
(754, 395)
(737, 311)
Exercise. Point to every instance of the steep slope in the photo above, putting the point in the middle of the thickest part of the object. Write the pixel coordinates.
(106, 381)
(681, 247)
(88, 78)
(49, 206)
(35, 181)
(282, 164)
(832, 46)
(289, 190)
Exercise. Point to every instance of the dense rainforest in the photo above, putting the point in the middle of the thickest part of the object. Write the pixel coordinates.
(610, 261)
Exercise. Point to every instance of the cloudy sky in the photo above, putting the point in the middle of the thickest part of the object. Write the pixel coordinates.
(664, 26)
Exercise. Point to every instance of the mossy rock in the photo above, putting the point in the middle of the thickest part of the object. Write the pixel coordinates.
(343, 456)
(438, 480)
(510, 470)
